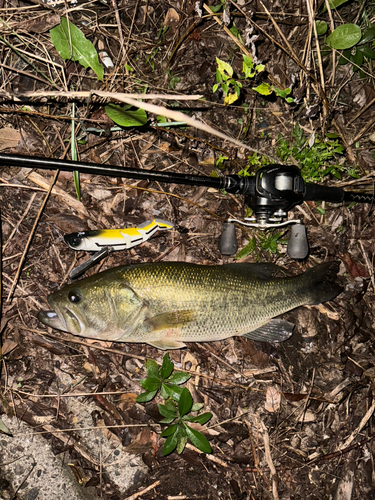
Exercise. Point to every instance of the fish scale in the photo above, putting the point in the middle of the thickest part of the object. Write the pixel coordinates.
(168, 303)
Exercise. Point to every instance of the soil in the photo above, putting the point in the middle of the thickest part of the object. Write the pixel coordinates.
(292, 420)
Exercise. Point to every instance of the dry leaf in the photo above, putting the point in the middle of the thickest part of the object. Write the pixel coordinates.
(127, 400)
(91, 368)
(40, 24)
(273, 398)
(8, 345)
(171, 19)
(9, 138)
(308, 416)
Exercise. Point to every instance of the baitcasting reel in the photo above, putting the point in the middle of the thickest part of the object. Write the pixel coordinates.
(275, 190)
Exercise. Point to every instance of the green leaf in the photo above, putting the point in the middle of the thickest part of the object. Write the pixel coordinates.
(185, 403)
(167, 367)
(247, 250)
(170, 444)
(181, 442)
(263, 89)
(179, 378)
(152, 367)
(344, 37)
(282, 93)
(169, 430)
(234, 30)
(248, 66)
(320, 210)
(225, 69)
(145, 397)
(321, 27)
(125, 118)
(215, 87)
(170, 391)
(71, 43)
(167, 412)
(171, 406)
(215, 8)
(367, 52)
(150, 384)
(200, 419)
(334, 4)
(197, 406)
(368, 35)
(357, 59)
(198, 440)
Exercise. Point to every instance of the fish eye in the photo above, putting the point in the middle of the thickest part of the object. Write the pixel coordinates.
(74, 296)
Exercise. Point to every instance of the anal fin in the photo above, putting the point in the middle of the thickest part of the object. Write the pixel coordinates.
(276, 330)
(167, 344)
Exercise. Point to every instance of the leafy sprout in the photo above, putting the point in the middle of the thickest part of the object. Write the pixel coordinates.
(177, 408)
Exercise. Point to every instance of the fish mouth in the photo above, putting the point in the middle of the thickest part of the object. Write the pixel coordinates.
(65, 320)
(50, 318)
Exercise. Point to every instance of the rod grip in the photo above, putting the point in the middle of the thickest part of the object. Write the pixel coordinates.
(316, 192)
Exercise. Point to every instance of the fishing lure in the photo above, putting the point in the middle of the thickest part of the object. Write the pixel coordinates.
(104, 241)
(116, 239)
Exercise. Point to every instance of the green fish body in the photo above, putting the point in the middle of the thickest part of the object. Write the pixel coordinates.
(168, 303)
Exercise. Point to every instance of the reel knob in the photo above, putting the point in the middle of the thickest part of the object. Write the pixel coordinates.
(298, 246)
(228, 241)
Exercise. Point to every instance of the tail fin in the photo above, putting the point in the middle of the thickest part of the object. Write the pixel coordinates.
(321, 281)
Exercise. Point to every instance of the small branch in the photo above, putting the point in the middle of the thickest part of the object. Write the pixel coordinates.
(142, 492)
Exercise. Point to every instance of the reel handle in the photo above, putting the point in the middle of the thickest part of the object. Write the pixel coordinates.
(298, 245)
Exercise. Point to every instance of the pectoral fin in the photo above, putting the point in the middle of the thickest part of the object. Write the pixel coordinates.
(276, 330)
(167, 344)
(168, 320)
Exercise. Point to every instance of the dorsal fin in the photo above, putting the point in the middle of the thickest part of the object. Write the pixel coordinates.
(263, 270)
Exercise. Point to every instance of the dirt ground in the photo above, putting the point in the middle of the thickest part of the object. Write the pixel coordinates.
(290, 421)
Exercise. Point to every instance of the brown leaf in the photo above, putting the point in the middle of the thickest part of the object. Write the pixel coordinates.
(8, 345)
(41, 24)
(9, 138)
(355, 269)
(127, 400)
(294, 397)
(273, 398)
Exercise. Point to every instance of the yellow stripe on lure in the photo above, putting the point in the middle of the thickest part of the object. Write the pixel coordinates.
(115, 239)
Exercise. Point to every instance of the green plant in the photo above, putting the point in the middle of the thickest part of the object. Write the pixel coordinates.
(151, 57)
(231, 86)
(316, 156)
(255, 162)
(71, 43)
(219, 163)
(268, 241)
(173, 80)
(266, 89)
(361, 52)
(357, 47)
(177, 408)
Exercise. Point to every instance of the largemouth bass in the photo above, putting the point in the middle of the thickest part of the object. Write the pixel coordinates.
(168, 303)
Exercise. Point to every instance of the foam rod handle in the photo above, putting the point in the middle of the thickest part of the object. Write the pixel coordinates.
(298, 246)
(228, 241)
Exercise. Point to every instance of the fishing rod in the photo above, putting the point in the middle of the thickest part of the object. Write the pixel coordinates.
(271, 193)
